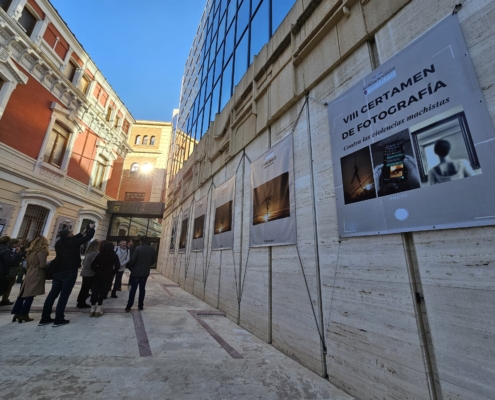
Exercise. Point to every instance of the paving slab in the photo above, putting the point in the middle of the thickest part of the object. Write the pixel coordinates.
(103, 358)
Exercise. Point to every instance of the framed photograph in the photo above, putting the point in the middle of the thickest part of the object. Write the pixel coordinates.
(445, 149)
(223, 218)
(271, 200)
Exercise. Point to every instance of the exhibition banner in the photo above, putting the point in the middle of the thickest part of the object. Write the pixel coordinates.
(198, 240)
(173, 234)
(223, 225)
(183, 231)
(413, 143)
(273, 221)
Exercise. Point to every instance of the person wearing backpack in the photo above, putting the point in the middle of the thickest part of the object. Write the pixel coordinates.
(34, 282)
(67, 262)
(124, 255)
(105, 265)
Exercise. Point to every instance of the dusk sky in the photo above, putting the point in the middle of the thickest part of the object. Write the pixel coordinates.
(141, 48)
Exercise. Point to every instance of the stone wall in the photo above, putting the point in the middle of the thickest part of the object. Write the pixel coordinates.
(344, 308)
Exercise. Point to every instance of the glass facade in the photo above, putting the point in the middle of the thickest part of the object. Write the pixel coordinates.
(230, 34)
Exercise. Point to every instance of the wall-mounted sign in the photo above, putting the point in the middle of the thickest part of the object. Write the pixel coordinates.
(223, 225)
(198, 239)
(136, 208)
(413, 143)
(134, 196)
(273, 202)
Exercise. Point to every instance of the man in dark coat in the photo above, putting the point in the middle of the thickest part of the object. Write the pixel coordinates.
(140, 265)
(7, 260)
(67, 262)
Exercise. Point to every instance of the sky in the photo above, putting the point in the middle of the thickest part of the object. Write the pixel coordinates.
(140, 47)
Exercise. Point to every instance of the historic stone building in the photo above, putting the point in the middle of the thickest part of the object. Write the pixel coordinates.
(396, 316)
(63, 129)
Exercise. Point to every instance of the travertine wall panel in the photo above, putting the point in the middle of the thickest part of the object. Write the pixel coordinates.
(318, 62)
(377, 12)
(351, 30)
(457, 276)
(255, 301)
(213, 278)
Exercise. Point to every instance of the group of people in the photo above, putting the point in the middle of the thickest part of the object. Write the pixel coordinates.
(103, 265)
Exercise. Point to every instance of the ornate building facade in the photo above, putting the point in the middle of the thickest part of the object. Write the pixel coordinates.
(63, 130)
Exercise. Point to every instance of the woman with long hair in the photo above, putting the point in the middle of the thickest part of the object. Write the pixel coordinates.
(34, 282)
(87, 274)
(105, 265)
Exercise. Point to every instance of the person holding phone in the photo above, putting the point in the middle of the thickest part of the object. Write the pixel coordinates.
(67, 262)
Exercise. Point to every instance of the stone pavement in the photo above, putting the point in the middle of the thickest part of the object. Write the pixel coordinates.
(171, 350)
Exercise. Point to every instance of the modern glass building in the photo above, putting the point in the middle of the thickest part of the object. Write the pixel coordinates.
(229, 35)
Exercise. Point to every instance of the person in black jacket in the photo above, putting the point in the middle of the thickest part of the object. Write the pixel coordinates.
(7, 260)
(67, 262)
(106, 264)
(140, 265)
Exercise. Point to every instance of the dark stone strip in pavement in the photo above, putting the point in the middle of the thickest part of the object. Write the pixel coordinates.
(164, 287)
(211, 312)
(141, 335)
(228, 348)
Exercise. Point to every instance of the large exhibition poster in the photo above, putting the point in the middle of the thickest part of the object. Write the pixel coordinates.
(198, 239)
(223, 225)
(273, 220)
(413, 143)
(173, 234)
(183, 231)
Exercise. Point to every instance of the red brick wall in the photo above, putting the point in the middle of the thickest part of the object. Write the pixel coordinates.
(113, 184)
(139, 182)
(83, 156)
(27, 115)
(50, 37)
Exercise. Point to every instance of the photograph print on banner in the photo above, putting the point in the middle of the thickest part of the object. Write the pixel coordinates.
(223, 233)
(415, 142)
(173, 235)
(183, 231)
(198, 239)
(273, 220)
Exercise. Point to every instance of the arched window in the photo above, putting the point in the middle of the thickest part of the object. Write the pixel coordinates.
(138, 140)
(145, 141)
(152, 141)
(134, 168)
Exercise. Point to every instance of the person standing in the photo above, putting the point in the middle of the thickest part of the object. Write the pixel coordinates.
(124, 256)
(34, 282)
(87, 274)
(16, 269)
(67, 262)
(105, 265)
(7, 260)
(140, 265)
